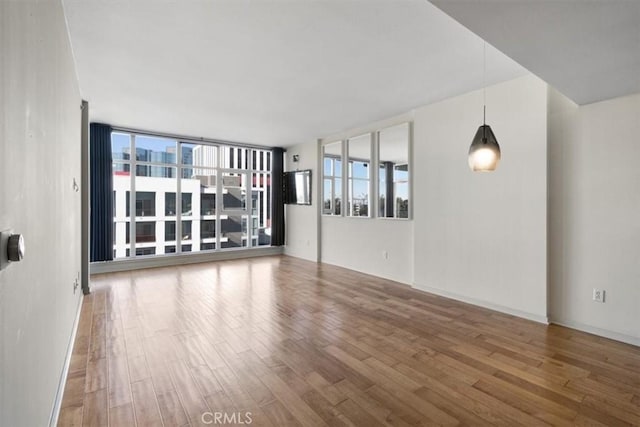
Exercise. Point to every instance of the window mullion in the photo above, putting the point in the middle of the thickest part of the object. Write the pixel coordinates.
(249, 175)
(219, 196)
(132, 198)
(179, 199)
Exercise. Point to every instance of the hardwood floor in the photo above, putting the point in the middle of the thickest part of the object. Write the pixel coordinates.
(279, 341)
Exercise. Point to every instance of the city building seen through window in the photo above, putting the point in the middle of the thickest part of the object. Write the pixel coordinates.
(188, 197)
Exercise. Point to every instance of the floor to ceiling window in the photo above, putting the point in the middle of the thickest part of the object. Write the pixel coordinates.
(188, 197)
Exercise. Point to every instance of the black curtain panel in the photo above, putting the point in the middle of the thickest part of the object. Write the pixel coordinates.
(101, 184)
(277, 203)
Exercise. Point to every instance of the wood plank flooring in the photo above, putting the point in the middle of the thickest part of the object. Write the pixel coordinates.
(280, 341)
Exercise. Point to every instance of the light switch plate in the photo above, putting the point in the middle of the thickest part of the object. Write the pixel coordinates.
(598, 295)
(4, 241)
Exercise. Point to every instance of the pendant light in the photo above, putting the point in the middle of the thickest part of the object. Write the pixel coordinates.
(484, 153)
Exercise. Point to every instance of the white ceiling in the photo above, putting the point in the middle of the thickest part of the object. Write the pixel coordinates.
(588, 49)
(272, 72)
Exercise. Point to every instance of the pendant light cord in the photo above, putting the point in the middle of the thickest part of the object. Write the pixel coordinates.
(484, 82)
(484, 91)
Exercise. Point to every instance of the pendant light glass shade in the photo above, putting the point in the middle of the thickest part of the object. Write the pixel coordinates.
(484, 153)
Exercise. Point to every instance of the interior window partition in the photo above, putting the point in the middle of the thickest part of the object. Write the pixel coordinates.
(393, 172)
(332, 179)
(359, 167)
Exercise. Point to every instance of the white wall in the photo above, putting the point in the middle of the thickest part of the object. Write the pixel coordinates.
(302, 220)
(40, 155)
(594, 215)
(482, 237)
(500, 264)
(359, 243)
(559, 217)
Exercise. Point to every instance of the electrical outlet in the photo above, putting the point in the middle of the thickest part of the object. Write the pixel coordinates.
(598, 295)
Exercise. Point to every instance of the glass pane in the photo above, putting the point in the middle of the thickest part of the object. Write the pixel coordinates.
(154, 149)
(199, 156)
(233, 231)
(120, 168)
(328, 167)
(359, 149)
(234, 157)
(198, 202)
(382, 192)
(393, 177)
(337, 196)
(234, 191)
(360, 198)
(402, 200)
(261, 160)
(260, 212)
(332, 185)
(121, 201)
(327, 191)
(155, 200)
(155, 172)
(120, 146)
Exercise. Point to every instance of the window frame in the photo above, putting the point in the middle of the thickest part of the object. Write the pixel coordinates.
(409, 164)
(374, 171)
(352, 179)
(332, 178)
(254, 159)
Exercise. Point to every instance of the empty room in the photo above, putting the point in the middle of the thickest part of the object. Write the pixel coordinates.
(319, 213)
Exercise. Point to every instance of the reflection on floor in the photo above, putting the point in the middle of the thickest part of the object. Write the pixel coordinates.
(279, 341)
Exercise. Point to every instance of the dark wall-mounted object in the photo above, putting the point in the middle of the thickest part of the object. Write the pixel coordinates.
(297, 187)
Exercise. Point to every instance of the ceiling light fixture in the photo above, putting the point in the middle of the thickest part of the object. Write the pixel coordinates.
(484, 153)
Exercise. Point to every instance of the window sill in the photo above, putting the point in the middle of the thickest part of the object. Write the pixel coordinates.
(166, 260)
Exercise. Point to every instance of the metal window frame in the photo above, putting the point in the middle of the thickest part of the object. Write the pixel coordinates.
(180, 166)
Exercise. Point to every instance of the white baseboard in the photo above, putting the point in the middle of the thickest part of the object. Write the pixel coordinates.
(370, 273)
(180, 259)
(55, 411)
(294, 254)
(485, 304)
(629, 339)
